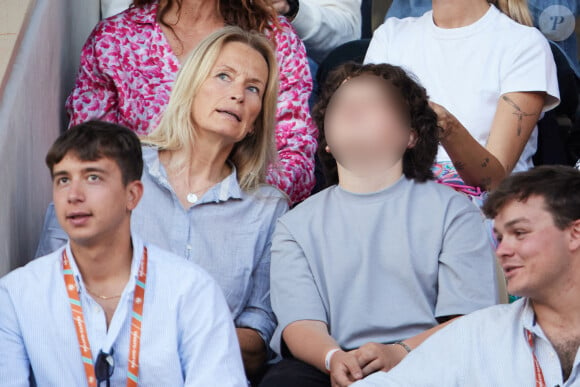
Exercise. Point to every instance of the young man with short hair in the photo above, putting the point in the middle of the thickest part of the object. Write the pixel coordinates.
(108, 307)
(534, 341)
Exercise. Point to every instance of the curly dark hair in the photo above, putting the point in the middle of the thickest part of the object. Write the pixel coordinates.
(417, 161)
(249, 15)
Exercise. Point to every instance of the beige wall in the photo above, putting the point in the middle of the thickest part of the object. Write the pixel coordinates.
(31, 116)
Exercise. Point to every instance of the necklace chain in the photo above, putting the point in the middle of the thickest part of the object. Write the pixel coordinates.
(104, 298)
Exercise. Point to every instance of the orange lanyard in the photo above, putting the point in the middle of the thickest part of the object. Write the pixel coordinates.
(81, 329)
(540, 382)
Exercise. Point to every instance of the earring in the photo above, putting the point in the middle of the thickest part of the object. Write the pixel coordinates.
(327, 149)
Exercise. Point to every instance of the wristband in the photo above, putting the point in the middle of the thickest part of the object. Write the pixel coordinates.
(329, 357)
(407, 348)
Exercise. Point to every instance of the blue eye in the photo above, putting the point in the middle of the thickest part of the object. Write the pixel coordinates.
(223, 76)
(62, 180)
(253, 89)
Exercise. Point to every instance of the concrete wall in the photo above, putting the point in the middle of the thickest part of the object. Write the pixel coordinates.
(31, 117)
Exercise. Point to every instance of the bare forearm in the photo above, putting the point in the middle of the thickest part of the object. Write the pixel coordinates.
(476, 165)
(309, 341)
(253, 350)
(486, 166)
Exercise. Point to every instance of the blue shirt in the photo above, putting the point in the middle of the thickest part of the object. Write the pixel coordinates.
(187, 336)
(486, 348)
(227, 232)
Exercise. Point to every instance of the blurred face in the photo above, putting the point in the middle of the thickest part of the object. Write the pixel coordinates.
(535, 255)
(366, 125)
(90, 199)
(230, 99)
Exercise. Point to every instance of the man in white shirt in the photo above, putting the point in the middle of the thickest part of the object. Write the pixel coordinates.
(535, 340)
(108, 307)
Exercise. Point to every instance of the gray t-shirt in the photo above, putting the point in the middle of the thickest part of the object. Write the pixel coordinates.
(380, 267)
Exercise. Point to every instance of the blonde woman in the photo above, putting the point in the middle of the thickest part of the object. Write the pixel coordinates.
(204, 171)
(489, 75)
(130, 61)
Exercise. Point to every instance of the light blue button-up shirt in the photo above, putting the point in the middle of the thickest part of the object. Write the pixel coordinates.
(187, 335)
(227, 232)
(486, 348)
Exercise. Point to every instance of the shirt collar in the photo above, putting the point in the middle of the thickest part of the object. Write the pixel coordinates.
(146, 14)
(529, 321)
(528, 315)
(228, 188)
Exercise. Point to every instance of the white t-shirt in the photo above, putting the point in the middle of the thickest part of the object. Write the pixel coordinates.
(467, 69)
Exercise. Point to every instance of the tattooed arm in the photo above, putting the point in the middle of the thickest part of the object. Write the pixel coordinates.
(515, 118)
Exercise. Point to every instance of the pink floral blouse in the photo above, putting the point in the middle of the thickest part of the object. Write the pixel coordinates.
(127, 70)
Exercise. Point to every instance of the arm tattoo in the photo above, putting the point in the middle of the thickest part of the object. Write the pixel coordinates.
(518, 112)
(459, 165)
(485, 162)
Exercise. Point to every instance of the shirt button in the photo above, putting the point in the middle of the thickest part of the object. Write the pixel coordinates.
(97, 309)
(188, 247)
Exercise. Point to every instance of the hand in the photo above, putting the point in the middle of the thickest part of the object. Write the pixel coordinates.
(344, 369)
(281, 6)
(446, 121)
(373, 357)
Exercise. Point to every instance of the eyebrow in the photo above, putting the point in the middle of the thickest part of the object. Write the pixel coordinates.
(233, 70)
(84, 170)
(514, 222)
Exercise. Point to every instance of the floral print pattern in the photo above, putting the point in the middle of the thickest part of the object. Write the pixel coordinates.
(127, 70)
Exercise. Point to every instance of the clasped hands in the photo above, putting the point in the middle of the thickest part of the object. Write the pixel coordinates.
(348, 367)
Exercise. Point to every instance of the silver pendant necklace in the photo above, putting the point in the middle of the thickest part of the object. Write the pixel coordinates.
(192, 198)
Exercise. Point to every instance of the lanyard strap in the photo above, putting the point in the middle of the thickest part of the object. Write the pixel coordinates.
(81, 329)
(540, 382)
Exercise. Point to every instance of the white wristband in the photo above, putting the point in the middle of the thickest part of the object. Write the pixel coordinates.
(329, 357)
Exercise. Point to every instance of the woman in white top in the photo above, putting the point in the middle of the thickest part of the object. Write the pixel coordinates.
(489, 76)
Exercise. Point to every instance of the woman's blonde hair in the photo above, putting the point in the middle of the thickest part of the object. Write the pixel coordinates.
(256, 152)
(516, 9)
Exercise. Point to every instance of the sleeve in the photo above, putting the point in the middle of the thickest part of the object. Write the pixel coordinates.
(94, 95)
(445, 347)
(113, 7)
(466, 277)
(14, 362)
(531, 67)
(377, 51)
(208, 347)
(52, 236)
(258, 314)
(295, 131)
(325, 24)
(294, 293)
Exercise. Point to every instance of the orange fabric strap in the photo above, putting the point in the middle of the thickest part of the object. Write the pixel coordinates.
(81, 329)
(540, 382)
